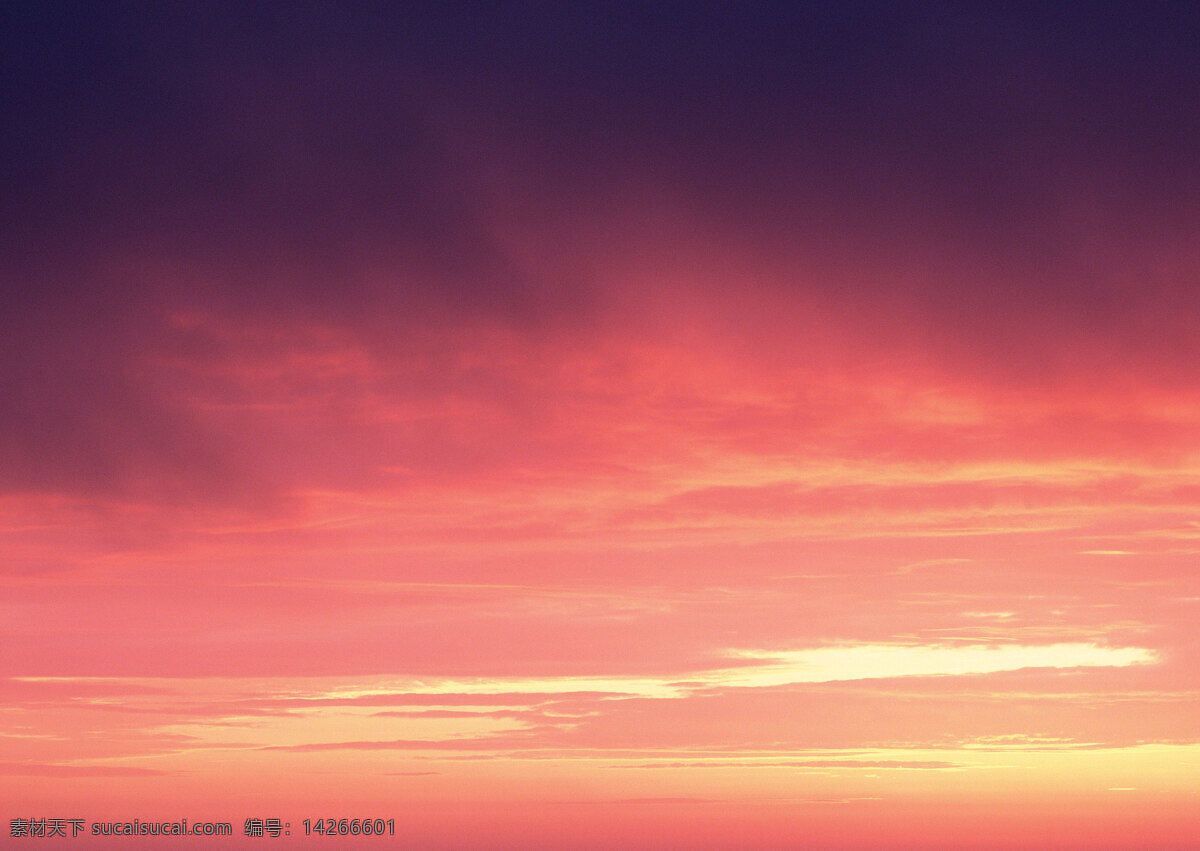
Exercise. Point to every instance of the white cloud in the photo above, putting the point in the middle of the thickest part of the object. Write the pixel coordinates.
(833, 663)
(873, 661)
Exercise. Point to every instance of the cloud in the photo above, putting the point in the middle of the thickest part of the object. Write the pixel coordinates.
(832, 664)
(25, 769)
(806, 763)
(767, 670)
(385, 384)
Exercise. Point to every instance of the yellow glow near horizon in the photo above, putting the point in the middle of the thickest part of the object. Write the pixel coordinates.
(813, 665)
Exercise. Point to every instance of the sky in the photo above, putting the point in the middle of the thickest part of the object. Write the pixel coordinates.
(690, 425)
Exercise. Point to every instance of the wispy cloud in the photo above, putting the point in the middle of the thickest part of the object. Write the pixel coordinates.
(25, 769)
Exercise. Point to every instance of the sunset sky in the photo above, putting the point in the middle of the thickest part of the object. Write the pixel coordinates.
(603, 426)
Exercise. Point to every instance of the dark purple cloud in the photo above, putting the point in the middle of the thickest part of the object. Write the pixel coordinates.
(1007, 187)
